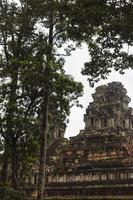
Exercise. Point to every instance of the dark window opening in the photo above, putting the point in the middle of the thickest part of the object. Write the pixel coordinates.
(92, 121)
(123, 123)
(59, 134)
(65, 160)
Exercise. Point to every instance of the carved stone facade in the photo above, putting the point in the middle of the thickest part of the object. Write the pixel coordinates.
(98, 161)
(109, 111)
(58, 131)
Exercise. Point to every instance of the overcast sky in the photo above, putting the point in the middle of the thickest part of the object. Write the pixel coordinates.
(73, 66)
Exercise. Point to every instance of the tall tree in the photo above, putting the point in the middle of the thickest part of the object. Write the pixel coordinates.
(13, 32)
(64, 26)
(24, 84)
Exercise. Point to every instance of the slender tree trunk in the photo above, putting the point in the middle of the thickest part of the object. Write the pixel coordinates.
(43, 149)
(14, 168)
(4, 171)
(45, 109)
(10, 129)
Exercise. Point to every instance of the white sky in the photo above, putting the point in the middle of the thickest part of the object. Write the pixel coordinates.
(73, 66)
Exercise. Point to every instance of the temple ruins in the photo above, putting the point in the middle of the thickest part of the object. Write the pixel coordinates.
(98, 162)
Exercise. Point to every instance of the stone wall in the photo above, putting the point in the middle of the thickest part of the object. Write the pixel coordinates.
(109, 175)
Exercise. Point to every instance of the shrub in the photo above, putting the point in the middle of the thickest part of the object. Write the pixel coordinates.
(10, 194)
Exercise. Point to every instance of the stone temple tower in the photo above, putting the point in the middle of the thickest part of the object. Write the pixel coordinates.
(109, 110)
(98, 162)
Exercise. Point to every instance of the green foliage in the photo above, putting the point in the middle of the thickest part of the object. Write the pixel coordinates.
(111, 45)
(31, 67)
(10, 194)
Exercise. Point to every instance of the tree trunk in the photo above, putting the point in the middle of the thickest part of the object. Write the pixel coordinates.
(14, 168)
(4, 171)
(43, 149)
(45, 109)
(12, 137)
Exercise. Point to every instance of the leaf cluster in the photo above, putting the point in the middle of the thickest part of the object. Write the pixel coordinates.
(110, 47)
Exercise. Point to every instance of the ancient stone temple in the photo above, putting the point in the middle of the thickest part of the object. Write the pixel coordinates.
(109, 111)
(97, 163)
